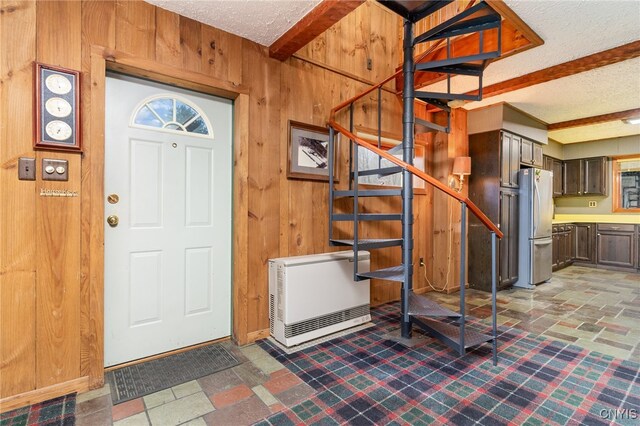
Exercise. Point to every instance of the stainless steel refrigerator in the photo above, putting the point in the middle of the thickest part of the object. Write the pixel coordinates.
(536, 214)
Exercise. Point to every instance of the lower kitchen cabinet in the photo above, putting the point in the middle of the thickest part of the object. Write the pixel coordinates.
(563, 249)
(585, 242)
(616, 245)
(508, 245)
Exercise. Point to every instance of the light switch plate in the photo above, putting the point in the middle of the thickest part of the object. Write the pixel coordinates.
(55, 169)
(26, 168)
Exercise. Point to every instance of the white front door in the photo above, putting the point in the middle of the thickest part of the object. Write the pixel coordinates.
(168, 169)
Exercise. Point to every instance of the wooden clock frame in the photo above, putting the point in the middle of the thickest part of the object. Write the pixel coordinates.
(40, 139)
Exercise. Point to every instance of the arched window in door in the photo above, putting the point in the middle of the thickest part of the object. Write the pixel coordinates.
(172, 114)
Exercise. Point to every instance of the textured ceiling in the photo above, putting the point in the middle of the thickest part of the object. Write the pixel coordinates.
(262, 21)
(570, 30)
(595, 132)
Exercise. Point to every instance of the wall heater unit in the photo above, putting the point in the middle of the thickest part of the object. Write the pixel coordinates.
(312, 296)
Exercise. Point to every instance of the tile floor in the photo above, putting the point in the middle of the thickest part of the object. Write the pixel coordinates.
(252, 391)
(592, 308)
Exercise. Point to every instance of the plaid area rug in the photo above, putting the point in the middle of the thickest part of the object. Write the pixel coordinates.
(54, 412)
(363, 379)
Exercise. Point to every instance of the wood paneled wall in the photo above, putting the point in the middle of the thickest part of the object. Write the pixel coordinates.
(50, 249)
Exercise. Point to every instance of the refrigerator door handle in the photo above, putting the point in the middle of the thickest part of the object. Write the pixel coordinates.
(536, 212)
(542, 241)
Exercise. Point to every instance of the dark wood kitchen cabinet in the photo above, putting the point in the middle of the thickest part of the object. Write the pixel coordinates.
(616, 245)
(585, 242)
(531, 153)
(571, 234)
(562, 246)
(595, 176)
(555, 249)
(508, 253)
(585, 176)
(509, 159)
(493, 187)
(554, 165)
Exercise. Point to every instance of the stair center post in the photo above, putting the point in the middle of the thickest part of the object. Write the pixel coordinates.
(407, 178)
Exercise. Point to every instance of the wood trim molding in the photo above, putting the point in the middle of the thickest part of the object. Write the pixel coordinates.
(320, 19)
(603, 118)
(145, 68)
(241, 220)
(93, 170)
(576, 66)
(615, 185)
(257, 335)
(80, 384)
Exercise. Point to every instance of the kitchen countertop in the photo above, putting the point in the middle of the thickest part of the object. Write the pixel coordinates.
(596, 218)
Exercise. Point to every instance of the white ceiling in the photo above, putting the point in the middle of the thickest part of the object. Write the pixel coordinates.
(570, 29)
(262, 21)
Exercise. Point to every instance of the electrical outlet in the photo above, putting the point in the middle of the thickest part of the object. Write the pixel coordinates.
(369, 64)
(593, 204)
(422, 262)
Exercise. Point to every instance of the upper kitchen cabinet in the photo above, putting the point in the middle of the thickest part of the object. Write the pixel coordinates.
(585, 176)
(509, 159)
(554, 165)
(531, 153)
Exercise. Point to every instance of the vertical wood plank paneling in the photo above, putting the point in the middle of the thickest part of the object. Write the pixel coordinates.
(362, 16)
(215, 60)
(191, 44)
(58, 220)
(218, 57)
(263, 76)
(446, 213)
(98, 28)
(168, 50)
(17, 199)
(286, 76)
(136, 28)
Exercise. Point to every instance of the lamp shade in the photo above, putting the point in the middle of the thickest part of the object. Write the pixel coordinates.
(461, 166)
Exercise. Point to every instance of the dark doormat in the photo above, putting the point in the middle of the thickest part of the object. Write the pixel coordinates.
(148, 377)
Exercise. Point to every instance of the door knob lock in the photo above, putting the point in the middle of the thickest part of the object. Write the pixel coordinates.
(113, 221)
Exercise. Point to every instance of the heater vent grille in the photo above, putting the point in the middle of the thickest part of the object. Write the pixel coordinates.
(317, 323)
(271, 309)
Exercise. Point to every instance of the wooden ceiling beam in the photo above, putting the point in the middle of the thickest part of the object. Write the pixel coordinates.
(320, 19)
(596, 119)
(566, 69)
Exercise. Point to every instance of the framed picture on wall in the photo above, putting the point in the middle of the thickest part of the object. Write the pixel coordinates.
(309, 152)
(369, 160)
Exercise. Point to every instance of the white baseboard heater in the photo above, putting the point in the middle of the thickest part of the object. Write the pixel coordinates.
(313, 296)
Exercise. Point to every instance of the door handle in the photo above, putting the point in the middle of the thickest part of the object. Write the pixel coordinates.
(113, 221)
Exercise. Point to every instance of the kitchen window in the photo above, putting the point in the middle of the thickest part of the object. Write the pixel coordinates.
(626, 184)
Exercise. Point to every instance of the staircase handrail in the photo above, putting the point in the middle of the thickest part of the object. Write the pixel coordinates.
(422, 175)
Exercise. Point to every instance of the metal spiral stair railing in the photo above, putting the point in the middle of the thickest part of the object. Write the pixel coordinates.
(416, 309)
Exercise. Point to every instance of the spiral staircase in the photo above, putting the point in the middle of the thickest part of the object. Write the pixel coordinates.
(416, 310)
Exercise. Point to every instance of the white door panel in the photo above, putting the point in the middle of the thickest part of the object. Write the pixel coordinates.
(168, 262)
